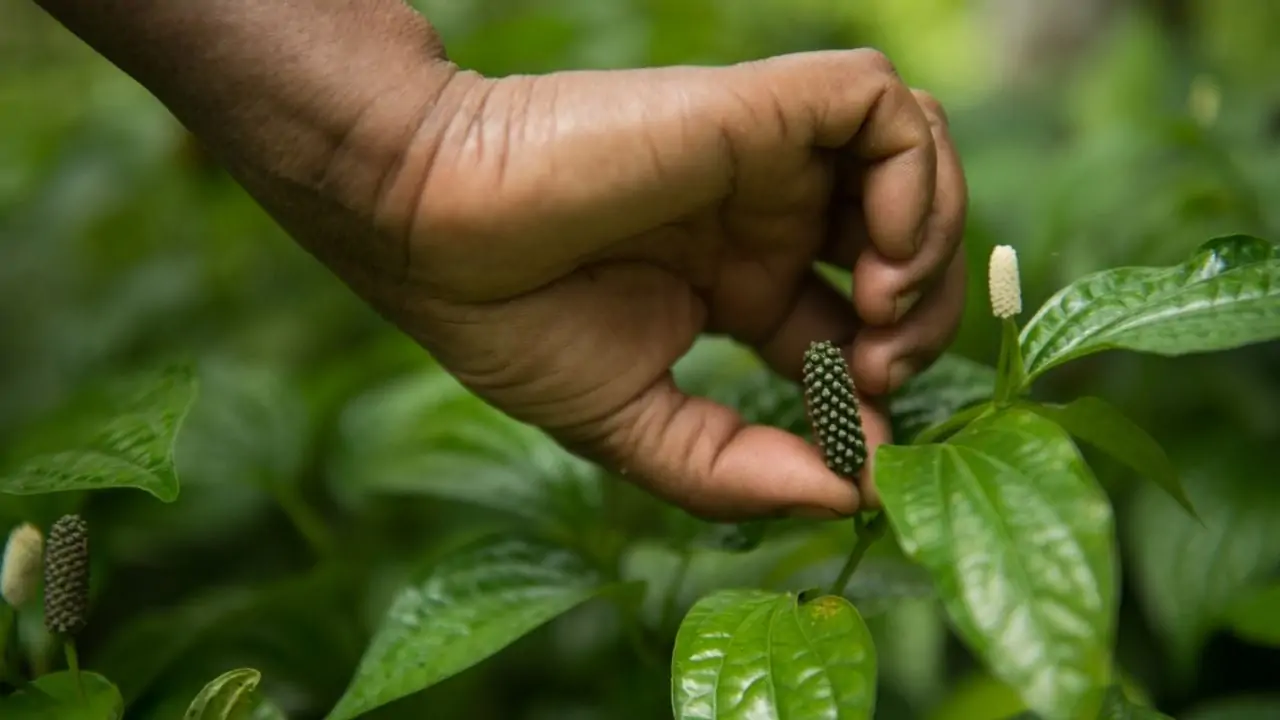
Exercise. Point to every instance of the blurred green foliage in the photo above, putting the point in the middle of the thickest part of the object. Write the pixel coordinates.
(122, 248)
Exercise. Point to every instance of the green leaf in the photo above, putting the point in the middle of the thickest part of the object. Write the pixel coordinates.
(1019, 539)
(132, 447)
(1253, 616)
(1117, 706)
(1225, 296)
(428, 435)
(757, 654)
(950, 385)
(59, 696)
(466, 608)
(1103, 425)
(1187, 573)
(1261, 707)
(227, 697)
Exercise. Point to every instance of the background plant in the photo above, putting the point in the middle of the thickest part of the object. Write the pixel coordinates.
(325, 466)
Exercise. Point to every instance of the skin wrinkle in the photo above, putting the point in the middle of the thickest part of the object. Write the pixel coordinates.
(347, 123)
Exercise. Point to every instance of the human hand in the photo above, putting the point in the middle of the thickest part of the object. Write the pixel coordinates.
(557, 242)
(567, 237)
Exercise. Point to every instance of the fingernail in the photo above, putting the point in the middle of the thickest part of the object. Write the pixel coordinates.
(904, 303)
(813, 512)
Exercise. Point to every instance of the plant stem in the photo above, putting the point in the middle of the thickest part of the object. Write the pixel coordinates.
(304, 519)
(73, 662)
(673, 591)
(951, 424)
(868, 532)
(1011, 374)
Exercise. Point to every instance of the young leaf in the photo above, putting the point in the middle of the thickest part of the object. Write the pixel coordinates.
(1225, 296)
(227, 697)
(757, 654)
(1019, 538)
(132, 447)
(1102, 425)
(463, 610)
(1187, 572)
(951, 384)
(428, 435)
(59, 696)
(1253, 616)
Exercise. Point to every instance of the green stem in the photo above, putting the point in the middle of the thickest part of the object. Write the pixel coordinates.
(304, 519)
(73, 663)
(868, 532)
(1011, 374)
(673, 592)
(950, 425)
(8, 634)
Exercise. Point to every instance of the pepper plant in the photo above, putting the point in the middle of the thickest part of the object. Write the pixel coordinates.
(987, 504)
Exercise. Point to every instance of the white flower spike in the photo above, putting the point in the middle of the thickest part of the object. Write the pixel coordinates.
(1003, 282)
(23, 563)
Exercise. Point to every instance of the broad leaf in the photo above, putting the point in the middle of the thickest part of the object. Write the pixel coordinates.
(1188, 573)
(466, 608)
(1117, 706)
(58, 695)
(132, 445)
(951, 384)
(1225, 296)
(1019, 538)
(427, 435)
(1102, 425)
(1253, 616)
(757, 654)
(251, 426)
(1263, 707)
(229, 696)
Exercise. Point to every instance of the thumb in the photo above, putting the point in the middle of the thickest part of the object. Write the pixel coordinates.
(702, 456)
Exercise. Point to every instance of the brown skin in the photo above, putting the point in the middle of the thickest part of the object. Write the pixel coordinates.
(558, 241)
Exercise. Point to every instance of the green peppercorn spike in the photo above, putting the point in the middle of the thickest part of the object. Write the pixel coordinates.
(66, 576)
(832, 403)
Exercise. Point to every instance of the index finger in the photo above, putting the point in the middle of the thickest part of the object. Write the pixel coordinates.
(871, 115)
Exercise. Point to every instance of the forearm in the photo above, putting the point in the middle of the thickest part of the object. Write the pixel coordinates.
(309, 103)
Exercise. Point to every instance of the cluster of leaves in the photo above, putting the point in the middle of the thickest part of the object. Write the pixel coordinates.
(988, 497)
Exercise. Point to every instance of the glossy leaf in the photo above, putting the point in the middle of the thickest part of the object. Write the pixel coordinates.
(1226, 295)
(1188, 573)
(133, 446)
(428, 435)
(59, 696)
(229, 696)
(467, 607)
(1102, 425)
(1255, 615)
(951, 384)
(1018, 537)
(757, 654)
